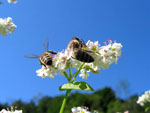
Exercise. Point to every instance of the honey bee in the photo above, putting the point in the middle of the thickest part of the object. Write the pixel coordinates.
(46, 58)
(79, 51)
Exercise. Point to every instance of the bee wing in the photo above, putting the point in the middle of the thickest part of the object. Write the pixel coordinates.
(32, 56)
(83, 43)
(46, 44)
(83, 56)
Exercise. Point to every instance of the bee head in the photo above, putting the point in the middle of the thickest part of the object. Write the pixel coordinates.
(76, 38)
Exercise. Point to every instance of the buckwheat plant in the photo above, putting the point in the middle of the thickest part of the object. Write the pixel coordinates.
(6, 26)
(64, 64)
(144, 99)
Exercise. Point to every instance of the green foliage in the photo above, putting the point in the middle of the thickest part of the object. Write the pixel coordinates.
(44, 104)
(103, 100)
(147, 107)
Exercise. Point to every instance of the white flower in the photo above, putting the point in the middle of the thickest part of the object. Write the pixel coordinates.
(46, 71)
(5, 111)
(6, 25)
(76, 63)
(12, 1)
(60, 61)
(106, 50)
(144, 98)
(84, 74)
(94, 46)
(117, 48)
(79, 110)
(18, 111)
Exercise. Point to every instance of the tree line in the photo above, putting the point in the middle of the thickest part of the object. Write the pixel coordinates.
(104, 101)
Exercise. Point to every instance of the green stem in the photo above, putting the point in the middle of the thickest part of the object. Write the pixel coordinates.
(68, 91)
(78, 72)
(70, 74)
(64, 101)
(65, 73)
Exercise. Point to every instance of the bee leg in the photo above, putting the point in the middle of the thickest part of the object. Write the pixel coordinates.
(42, 64)
(45, 66)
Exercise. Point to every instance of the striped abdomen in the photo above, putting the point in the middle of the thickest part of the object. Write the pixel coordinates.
(45, 59)
(83, 56)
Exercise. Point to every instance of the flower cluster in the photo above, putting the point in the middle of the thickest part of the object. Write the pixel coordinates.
(5, 111)
(12, 1)
(6, 25)
(144, 98)
(11, 110)
(83, 109)
(46, 71)
(103, 56)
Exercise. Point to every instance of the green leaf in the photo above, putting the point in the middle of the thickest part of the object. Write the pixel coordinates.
(1, 2)
(79, 85)
(146, 109)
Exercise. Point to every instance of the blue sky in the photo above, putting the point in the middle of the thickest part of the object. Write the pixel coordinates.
(127, 21)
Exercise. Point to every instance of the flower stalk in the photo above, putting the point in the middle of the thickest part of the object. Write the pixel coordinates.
(78, 72)
(69, 79)
(64, 101)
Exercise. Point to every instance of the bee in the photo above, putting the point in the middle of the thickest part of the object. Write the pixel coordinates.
(46, 58)
(79, 51)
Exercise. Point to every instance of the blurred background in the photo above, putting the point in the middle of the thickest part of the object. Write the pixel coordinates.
(126, 21)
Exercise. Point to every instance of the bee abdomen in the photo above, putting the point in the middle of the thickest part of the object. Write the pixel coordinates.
(49, 62)
(84, 57)
(46, 59)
